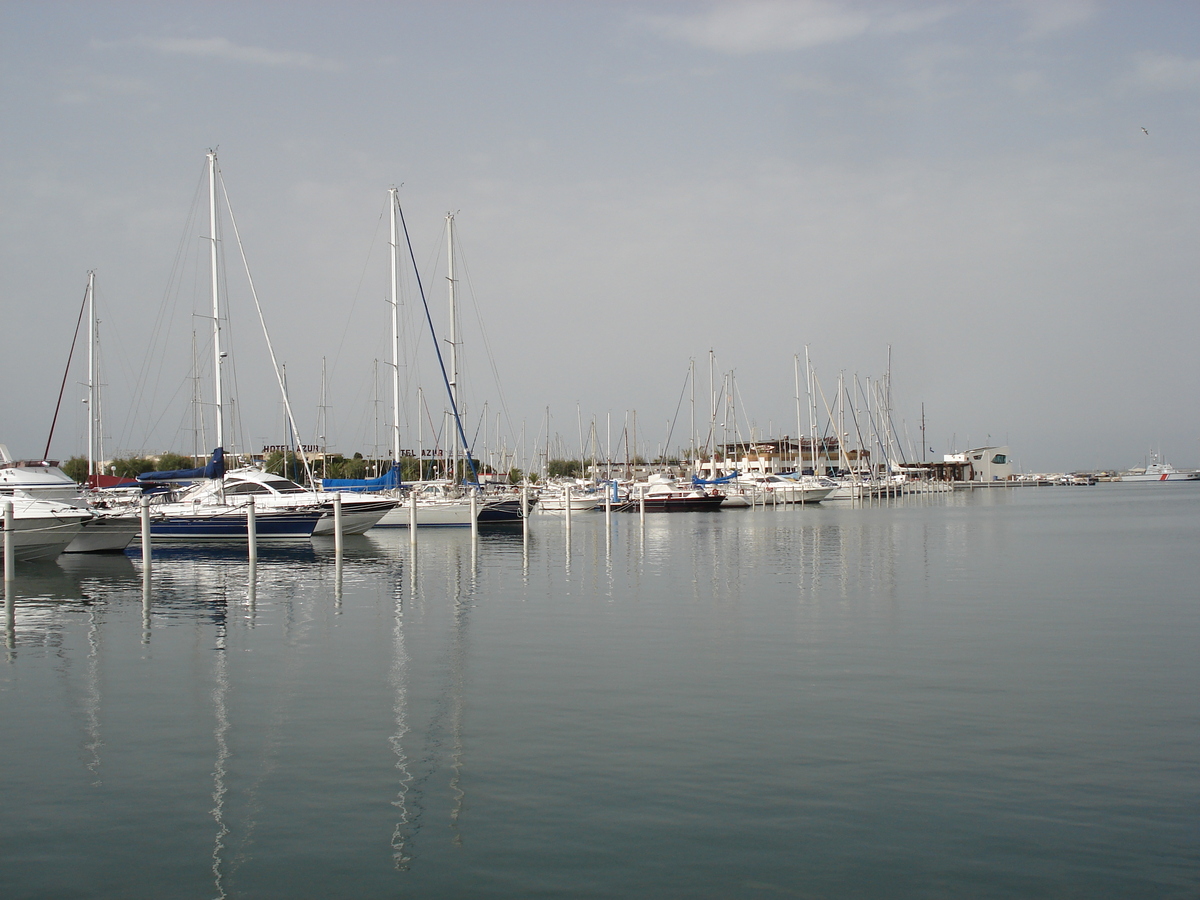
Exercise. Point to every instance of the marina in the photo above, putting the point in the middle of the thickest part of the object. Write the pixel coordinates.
(727, 450)
(987, 691)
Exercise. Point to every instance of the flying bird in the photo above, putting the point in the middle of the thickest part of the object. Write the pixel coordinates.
(1144, 131)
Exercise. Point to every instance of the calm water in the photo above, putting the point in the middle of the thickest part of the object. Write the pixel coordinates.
(980, 695)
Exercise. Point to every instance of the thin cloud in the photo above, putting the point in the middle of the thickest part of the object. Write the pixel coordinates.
(219, 48)
(1164, 72)
(1045, 17)
(768, 25)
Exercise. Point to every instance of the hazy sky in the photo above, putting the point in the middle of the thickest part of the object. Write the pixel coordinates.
(635, 184)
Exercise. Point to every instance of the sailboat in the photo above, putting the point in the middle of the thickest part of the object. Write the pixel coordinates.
(104, 530)
(211, 504)
(438, 503)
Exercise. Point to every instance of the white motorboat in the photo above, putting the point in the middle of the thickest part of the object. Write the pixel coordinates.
(103, 531)
(780, 489)
(43, 528)
(584, 496)
(1157, 470)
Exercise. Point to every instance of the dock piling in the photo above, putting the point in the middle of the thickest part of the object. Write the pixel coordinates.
(9, 562)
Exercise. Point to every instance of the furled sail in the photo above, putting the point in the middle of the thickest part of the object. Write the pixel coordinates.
(389, 480)
(214, 469)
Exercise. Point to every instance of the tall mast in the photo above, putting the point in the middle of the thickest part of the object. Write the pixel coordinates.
(420, 435)
(692, 379)
(216, 311)
(91, 302)
(812, 410)
(395, 334)
(799, 426)
(453, 330)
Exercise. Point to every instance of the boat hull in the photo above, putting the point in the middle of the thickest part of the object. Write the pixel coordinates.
(106, 534)
(268, 526)
(451, 514)
(706, 503)
(358, 517)
(44, 537)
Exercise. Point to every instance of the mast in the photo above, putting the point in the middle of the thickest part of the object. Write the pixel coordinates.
(393, 246)
(812, 419)
(799, 428)
(453, 332)
(91, 384)
(692, 380)
(216, 311)
(324, 428)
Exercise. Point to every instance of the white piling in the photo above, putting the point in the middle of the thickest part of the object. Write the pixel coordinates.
(412, 518)
(9, 561)
(252, 531)
(567, 505)
(338, 537)
(145, 535)
(474, 516)
(642, 509)
(608, 507)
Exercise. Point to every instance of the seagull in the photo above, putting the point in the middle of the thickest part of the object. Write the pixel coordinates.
(1144, 131)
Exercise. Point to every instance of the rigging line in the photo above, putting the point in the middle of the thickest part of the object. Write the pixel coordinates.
(267, 337)
(678, 406)
(66, 371)
(437, 346)
(487, 346)
(173, 287)
(358, 290)
(737, 390)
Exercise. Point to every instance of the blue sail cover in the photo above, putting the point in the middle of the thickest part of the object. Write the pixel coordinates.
(214, 469)
(723, 480)
(387, 481)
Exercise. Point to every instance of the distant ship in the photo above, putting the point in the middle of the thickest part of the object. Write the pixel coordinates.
(1159, 471)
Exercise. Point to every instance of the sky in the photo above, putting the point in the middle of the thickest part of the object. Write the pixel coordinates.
(999, 199)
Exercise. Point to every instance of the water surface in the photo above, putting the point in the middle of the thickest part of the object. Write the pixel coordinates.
(988, 694)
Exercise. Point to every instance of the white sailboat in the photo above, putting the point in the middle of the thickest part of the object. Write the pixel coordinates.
(438, 503)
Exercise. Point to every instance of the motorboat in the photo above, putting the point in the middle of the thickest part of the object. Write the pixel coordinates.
(43, 528)
(583, 496)
(103, 530)
(1157, 470)
(663, 493)
(780, 489)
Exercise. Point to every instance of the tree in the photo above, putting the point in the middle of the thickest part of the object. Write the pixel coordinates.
(76, 468)
(132, 466)
(563, 468)
(169, 462)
